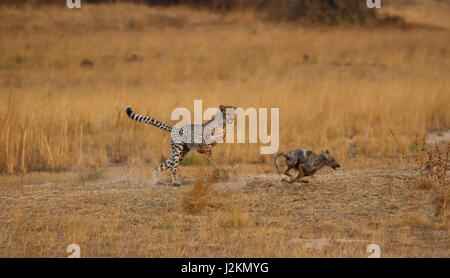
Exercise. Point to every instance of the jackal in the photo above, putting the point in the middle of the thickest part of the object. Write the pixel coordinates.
(305, 162)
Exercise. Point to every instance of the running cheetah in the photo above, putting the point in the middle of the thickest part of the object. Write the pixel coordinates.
(189, 137)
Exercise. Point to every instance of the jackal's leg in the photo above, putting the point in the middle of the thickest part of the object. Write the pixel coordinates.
(299, 175)
(287, 180)
(287, 171)
(299, 172)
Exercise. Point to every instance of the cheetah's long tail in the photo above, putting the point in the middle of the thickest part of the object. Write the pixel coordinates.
(275, 161)
(147, 120)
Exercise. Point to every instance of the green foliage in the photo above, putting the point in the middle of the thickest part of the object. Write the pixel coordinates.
(189, 160)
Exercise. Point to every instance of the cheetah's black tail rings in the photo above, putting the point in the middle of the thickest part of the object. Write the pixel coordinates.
(147, 120)
(275, 157)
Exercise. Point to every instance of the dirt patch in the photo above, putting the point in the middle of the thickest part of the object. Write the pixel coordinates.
(438, 137)
(337, 214)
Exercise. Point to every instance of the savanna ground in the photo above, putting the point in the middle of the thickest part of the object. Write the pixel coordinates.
(75, 169)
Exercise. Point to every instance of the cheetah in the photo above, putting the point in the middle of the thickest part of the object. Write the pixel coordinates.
(305, 162)
(189, 137)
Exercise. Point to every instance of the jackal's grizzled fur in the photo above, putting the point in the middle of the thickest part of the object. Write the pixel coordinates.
(305, 162)
(198, 142)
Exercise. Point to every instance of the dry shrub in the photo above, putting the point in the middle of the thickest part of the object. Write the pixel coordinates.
(425, 183)
(234, 218)
(97, 158)
(200, 197)
(442, 201)
(432, 164)
(415, 219)
(436, 165)
(433, 176)
(221, 174)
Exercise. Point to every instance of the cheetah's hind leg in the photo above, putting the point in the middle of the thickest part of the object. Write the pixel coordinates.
(166, 164)
(159, 169)
(172, 163)
(154, 178)
(174, 171)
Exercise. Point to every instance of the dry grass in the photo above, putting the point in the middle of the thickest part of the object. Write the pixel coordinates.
(422, 12)
(431, 172)
(336, 84)
(343, 89)
(200, 197)
(121, 216)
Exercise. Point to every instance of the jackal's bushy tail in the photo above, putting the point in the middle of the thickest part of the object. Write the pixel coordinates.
(148, 120)
(275, 157)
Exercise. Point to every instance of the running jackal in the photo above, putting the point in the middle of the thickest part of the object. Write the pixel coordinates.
(305, 162)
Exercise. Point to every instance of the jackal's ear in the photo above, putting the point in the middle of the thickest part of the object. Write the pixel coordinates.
(222, 108)
(308, 153)
(327, 151)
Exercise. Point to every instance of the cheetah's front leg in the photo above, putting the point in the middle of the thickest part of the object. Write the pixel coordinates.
(209, 155)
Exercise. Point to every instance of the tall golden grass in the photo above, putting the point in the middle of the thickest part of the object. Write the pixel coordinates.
(333, 86)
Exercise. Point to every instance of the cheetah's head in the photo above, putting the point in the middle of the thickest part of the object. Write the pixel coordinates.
(229, 113)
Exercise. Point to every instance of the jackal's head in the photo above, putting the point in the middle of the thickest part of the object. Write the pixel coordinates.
(229, 113)
(330, 160)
